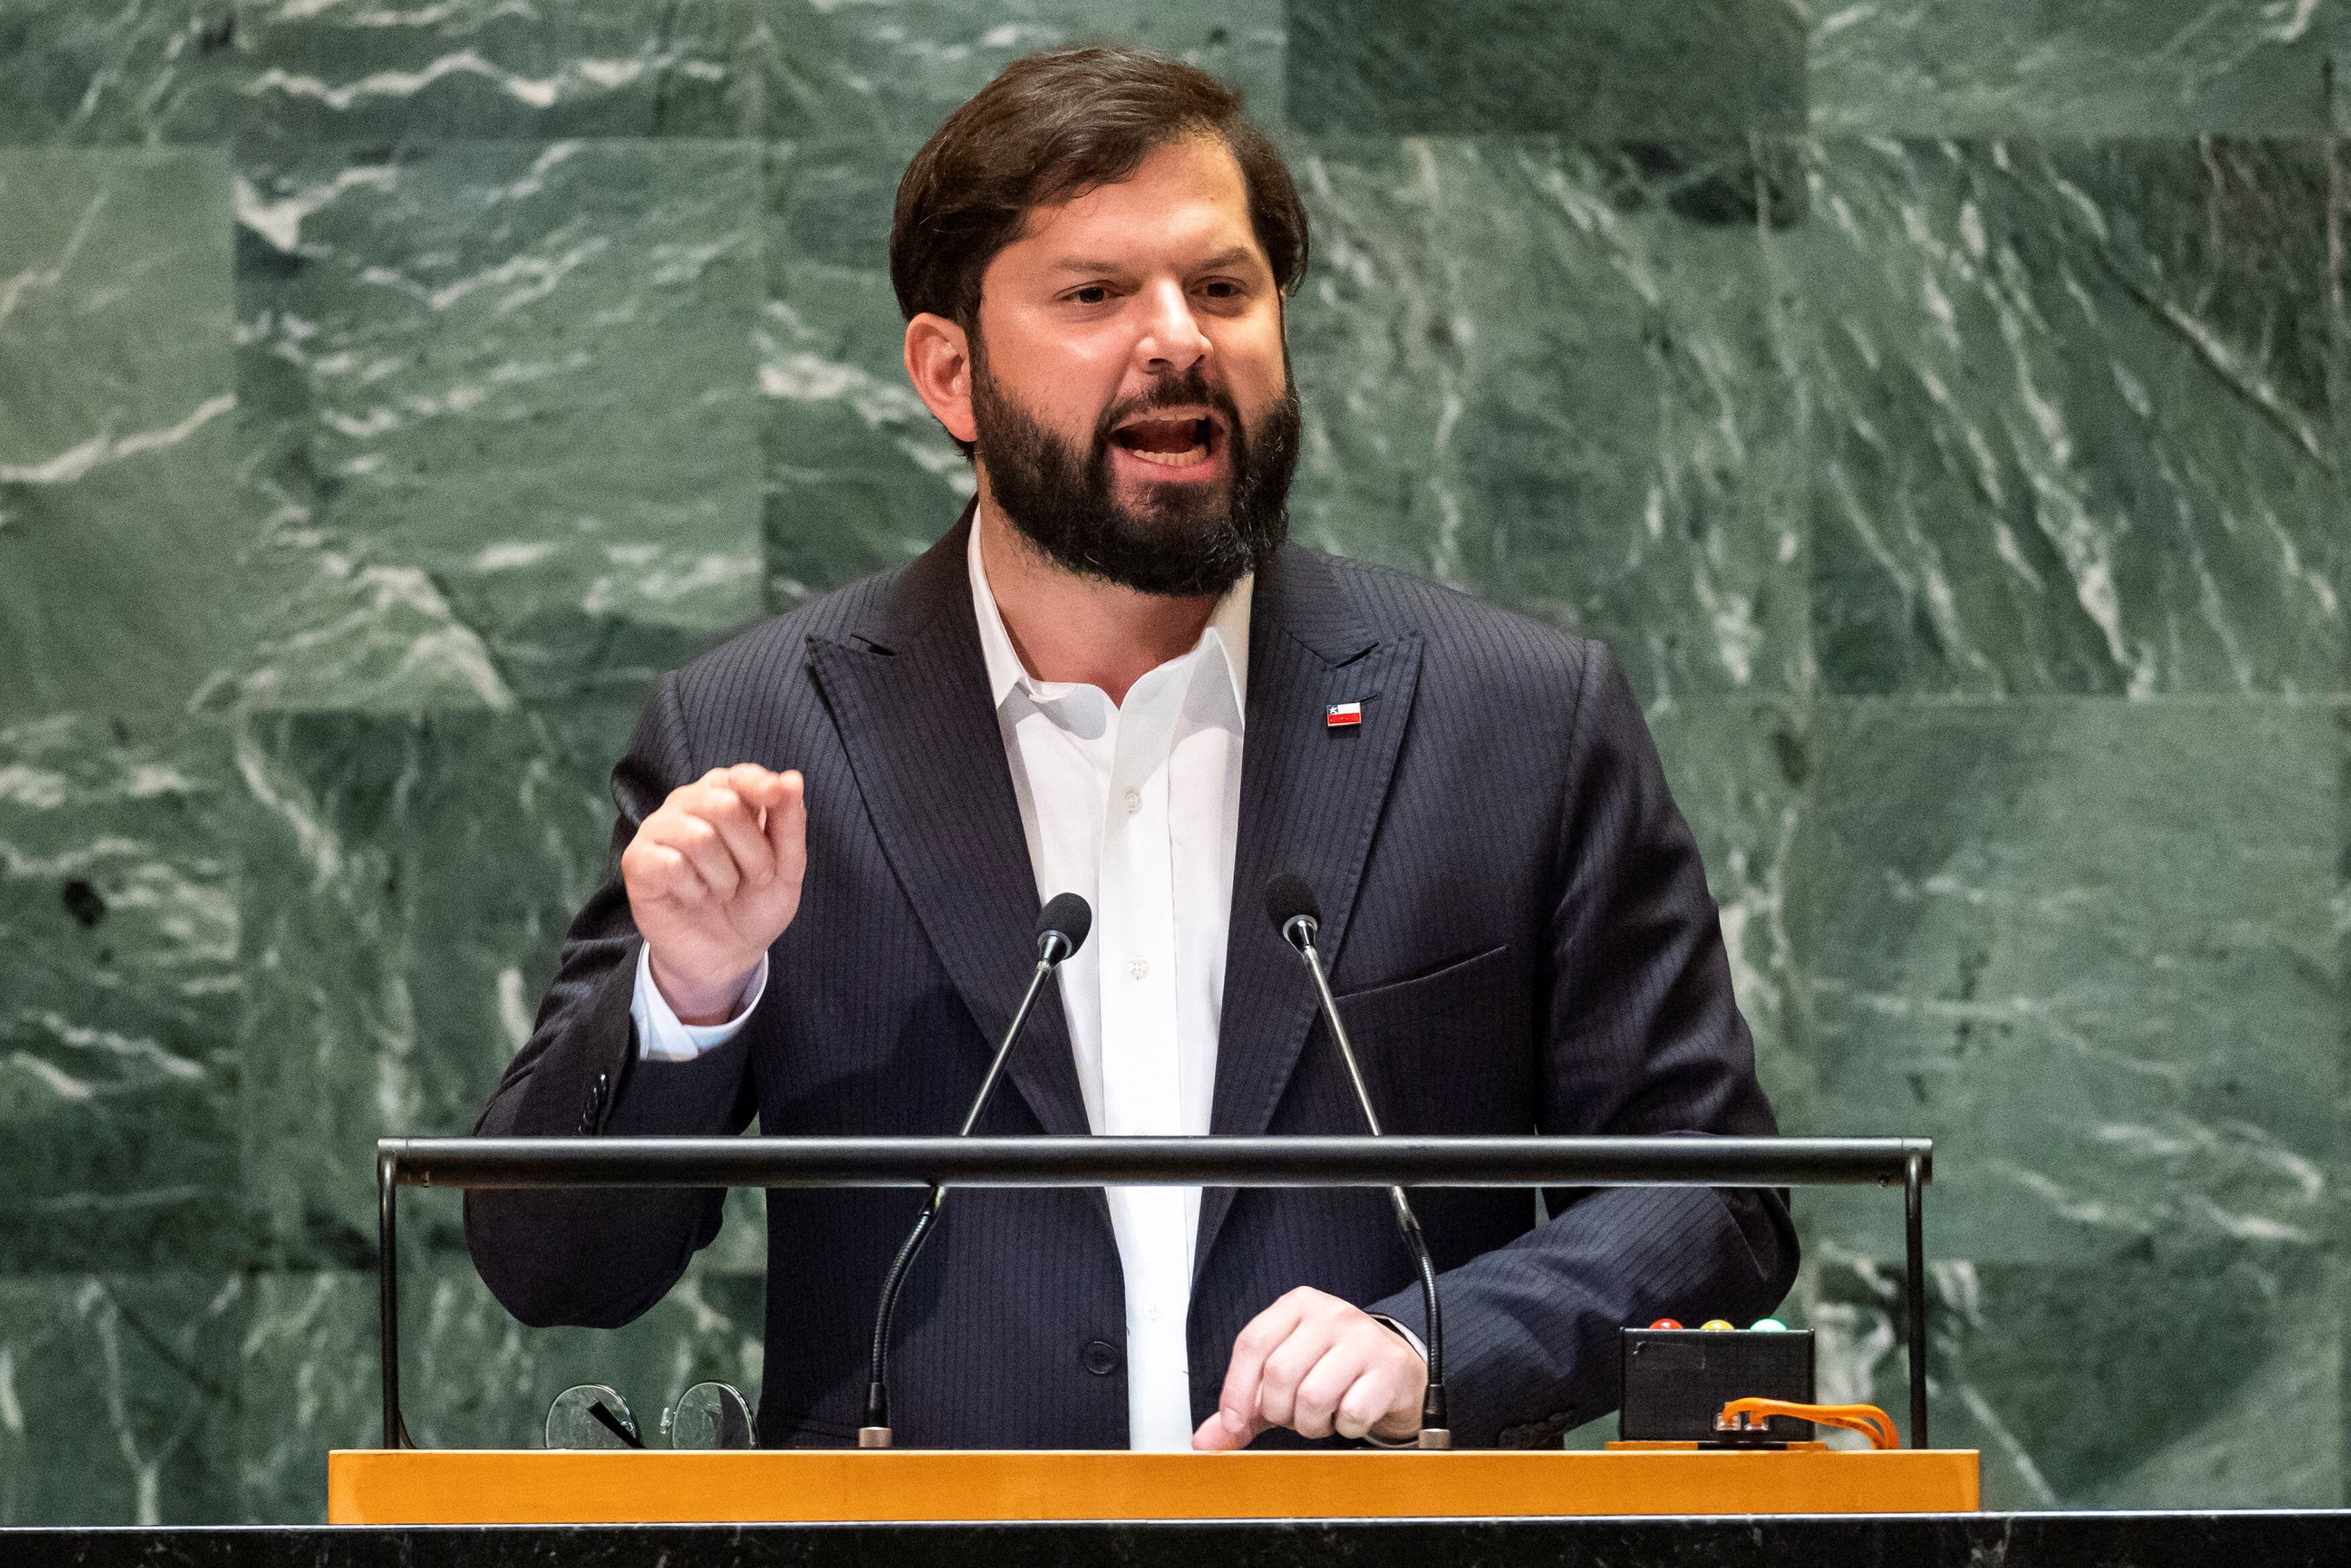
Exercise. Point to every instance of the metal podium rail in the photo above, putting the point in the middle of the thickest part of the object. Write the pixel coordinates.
(1392, 1160)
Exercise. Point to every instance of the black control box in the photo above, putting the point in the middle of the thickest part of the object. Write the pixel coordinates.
(1676, 1380)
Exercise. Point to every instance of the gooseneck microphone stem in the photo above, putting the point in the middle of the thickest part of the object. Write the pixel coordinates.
(1300, 930)
(1052, 948)
(1064, 929)
(875, 1432)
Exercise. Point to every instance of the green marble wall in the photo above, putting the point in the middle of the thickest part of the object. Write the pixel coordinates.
(1934, 401)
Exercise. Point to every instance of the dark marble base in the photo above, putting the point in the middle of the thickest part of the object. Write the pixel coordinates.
(2277, 1540)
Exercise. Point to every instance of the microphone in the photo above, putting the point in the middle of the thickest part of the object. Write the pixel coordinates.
(1062, 929)
(1289, 901)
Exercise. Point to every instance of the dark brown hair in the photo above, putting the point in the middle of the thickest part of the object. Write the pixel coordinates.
(1052, 126)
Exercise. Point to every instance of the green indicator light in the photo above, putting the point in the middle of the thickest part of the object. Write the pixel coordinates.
(1767, 1325)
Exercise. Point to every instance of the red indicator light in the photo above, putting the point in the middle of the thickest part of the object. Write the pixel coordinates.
(1665, 1322)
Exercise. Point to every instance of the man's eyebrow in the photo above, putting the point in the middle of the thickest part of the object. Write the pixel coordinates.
(1232, 257)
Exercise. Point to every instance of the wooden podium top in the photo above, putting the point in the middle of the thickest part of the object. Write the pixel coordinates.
(414, 1486)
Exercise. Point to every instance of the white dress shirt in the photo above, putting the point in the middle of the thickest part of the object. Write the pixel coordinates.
(1136, 806)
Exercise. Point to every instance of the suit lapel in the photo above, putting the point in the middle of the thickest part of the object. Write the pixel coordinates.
(908, 691)
(1310, 798)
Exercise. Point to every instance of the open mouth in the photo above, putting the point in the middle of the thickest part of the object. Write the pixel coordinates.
(1169, 442)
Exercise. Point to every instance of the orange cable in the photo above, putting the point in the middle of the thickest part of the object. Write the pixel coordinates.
(1868, 1420)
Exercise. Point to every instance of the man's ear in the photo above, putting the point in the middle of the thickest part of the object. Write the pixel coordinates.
(939, 361)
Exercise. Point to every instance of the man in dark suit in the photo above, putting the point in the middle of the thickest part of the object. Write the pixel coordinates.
(1113, 675)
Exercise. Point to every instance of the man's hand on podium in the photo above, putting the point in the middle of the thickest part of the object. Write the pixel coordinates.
(713, 877)
(1317, 1365)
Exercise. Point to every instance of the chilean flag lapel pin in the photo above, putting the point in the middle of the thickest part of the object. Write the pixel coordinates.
(1343, 715)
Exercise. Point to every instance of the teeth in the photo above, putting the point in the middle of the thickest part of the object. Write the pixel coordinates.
(1184, 458)
(1187, 458)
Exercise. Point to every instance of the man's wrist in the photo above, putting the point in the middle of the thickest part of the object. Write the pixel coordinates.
(663, 1036)
(700, 1007)
(1393, 1326)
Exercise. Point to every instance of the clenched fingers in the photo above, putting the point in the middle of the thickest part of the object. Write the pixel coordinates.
(1336, 1375)
(736, 829)
(696, 839)
(1380, 1394)
(1317, 1365)
(782, 801)
(1266, 1333)
(736, 811)
(658, 871)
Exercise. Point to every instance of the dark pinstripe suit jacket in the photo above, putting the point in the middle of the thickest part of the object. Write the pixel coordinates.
(1522, 938)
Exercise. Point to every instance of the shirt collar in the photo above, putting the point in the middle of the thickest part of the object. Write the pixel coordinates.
(1224, 642)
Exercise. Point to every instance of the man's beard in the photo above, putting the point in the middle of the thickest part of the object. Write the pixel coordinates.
(1187, 541)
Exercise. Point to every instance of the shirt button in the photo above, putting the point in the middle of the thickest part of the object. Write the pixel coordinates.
(1152, 1312)
(1138, 968)
(1134, 802)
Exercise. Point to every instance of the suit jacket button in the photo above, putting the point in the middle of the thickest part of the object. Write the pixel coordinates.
(1101, 1357)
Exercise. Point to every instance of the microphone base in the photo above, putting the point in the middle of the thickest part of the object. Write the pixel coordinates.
(1434, 1438)
(874, 1437)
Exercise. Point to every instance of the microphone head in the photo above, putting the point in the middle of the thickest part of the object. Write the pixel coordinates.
(1289, 897)
(1069, 917)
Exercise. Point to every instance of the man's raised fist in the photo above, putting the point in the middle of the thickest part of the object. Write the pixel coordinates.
(713, 877)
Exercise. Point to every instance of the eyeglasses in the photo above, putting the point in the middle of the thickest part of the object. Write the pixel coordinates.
(706, 1415)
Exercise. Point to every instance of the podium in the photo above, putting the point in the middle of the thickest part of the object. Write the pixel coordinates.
(411, 1486)
(400, 1484)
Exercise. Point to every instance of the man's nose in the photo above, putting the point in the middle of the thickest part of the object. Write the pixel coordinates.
(1171, 341)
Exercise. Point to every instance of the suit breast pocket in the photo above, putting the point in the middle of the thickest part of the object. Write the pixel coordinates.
(1451, 1049)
